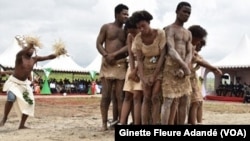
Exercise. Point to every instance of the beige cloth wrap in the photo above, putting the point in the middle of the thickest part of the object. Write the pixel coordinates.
(172, 85)
(195, 82)
(131, 85)
(114, 71)
(149, 51)
(18, 87)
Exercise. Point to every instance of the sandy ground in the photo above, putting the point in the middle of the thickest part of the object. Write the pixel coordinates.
(77, 118)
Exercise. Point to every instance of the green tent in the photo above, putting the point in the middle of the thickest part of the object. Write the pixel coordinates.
(46, 88)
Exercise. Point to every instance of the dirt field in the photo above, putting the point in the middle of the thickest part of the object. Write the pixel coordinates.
(65, 118)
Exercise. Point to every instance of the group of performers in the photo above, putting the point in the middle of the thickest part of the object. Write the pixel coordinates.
(149, 72)
(158, 84)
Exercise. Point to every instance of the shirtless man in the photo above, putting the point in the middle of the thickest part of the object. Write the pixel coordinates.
(17, 86)
(176, 83)
(111, 45)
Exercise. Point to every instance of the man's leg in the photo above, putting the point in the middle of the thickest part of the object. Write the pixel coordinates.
(182, 110)
(114, 105)
(173, 111)
(200, 112)
(8, 105)
(168, 111)
(23, 120)
(105, 101)
(7, 108)
(165, 110)
(118, 98)
(193, 113)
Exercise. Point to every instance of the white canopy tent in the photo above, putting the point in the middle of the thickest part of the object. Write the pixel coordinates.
(64, 63)
(8, 57)
(239, 57)
(236, 64)
(95, 65)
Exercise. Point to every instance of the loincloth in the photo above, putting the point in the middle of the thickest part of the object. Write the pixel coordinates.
(196, 94)
(18, 87)
(114, 71)
(172, 85)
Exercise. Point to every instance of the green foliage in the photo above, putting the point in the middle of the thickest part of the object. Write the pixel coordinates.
(67, 75)
(27, 98)
(210, 84)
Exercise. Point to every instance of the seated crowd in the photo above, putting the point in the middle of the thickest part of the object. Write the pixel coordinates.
(236, 90)
(64, 86)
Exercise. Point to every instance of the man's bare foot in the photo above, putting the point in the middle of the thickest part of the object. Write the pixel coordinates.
(23, 127)
(104, 128)
(112, 124)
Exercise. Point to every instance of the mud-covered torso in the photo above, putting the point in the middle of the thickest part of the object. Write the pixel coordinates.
(115, 38)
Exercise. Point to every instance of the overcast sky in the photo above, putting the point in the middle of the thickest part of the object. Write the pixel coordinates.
(77, 22)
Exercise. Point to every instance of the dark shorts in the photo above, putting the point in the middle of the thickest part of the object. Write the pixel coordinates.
(11, 96)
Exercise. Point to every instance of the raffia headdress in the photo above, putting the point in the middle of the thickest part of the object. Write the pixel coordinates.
(25, 41)
(59, 48)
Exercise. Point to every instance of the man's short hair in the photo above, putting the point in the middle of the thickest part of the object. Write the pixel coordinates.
(181, 4)
(120, 7)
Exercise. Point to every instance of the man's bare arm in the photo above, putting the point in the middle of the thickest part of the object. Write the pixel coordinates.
(100, 40)
(123, 50)
(207, 65)
(173, 53)
(189, 50)
(43, 58)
